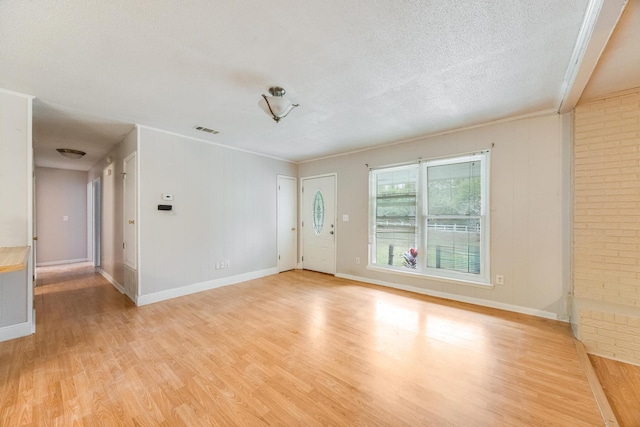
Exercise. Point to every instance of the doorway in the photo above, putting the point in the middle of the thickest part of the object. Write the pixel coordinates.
(130, 238)
(319, 223)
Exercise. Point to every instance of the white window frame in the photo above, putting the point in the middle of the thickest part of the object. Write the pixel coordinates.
(482, 279)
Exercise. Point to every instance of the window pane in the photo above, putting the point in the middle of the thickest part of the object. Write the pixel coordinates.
(454, 189)
(431, 217)
(454, 244)
(318, 212)
(395, 215)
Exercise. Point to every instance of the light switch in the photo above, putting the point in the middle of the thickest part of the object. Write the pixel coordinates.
(345, 218)
(166, 196)
(65, 218)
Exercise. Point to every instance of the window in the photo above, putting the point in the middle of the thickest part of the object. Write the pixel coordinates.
(431, 218)
(318, 212)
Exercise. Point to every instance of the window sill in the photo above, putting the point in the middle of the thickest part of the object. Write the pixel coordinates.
(477, 284)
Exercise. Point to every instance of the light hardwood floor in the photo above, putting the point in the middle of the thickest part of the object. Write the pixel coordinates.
(298, 348)
(621, 384)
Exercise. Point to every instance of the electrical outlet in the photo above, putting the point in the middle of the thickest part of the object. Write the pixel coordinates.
(357, 260)
(227, 264)
(499, 279)
(217, 266)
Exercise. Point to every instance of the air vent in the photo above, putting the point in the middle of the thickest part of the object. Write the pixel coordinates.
(207, 130)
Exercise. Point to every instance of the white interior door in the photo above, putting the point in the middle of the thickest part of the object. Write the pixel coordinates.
(97, 226)
(34, 237)
(130, 212)
(287, 223)
(90, 254)
(319, 223)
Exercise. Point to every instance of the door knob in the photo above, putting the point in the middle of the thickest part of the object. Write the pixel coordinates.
(130, 221)
(331, 232)
(35, 237)
(293, 229)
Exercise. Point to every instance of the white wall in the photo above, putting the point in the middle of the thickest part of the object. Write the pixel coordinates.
(16, 219)
(14, 175)
(61, 193)
(530, 169)
(112, 226)
(224, 209)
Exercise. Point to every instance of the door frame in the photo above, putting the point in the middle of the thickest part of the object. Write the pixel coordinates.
(335, 217)
(96, 220)
(295, 214)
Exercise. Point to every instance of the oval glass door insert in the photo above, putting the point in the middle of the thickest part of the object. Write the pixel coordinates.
(318, 212)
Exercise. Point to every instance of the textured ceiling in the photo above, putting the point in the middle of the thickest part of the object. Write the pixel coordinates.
(55, 127)
(365, 72)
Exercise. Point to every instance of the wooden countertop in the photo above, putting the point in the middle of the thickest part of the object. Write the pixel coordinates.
(13, 259)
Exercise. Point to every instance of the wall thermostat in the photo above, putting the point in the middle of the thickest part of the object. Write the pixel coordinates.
(167, 196)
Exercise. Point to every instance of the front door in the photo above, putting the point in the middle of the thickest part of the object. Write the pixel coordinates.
(319, 223)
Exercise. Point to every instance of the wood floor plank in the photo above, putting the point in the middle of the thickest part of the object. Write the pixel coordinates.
(298, 348)
(621, 384)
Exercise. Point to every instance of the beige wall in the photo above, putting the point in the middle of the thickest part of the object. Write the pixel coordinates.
(530, 201)
(606, 242)
(61, 193)
(224, 209)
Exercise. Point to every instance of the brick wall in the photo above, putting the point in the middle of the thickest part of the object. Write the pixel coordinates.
(613, 335)
(606, 232)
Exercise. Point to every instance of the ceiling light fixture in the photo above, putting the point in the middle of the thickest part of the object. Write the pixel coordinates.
(276, 105)
(70, 153)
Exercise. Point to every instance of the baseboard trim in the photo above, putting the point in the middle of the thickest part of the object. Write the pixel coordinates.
(459, 298)
(203, 286)
(15, 331)
(66, 261)
(113, 281)
(608, 416)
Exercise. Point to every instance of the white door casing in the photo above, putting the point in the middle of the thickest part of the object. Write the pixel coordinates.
(319, 223)
(130, 211)
(287, 223)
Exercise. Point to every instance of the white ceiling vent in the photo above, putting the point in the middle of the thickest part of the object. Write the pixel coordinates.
(207, 130)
